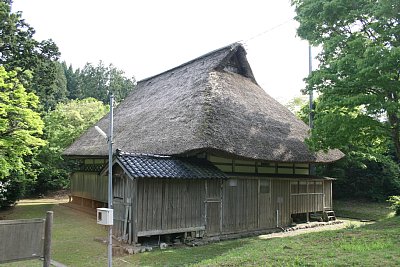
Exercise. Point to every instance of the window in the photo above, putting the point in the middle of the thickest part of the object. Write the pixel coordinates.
(302, 187)
(294, 187)
(232, 182)
(265, 187)
(318, 187)
(311, 187)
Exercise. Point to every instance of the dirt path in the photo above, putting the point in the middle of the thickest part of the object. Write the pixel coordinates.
(305, 228)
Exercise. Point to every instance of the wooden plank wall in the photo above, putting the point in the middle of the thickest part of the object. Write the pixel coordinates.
(89, 185)
(281, 201)
(163, 205)
(21, 239)
(266, 212)
(328, 194)
(240, 205)
(301, 203)
(213, 207)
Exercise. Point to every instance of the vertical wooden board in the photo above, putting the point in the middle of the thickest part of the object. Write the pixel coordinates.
(170, 214)
(160, 204)
(149, 201)
(154, 209)
(246, 216)
(286, 193)
(21, 239)
(181, 204)
(232, 203)
(254, 196)
(213, 206)
(140, 185)
(148, 207)
(134, 210)
(140, 189)
(328, 193)
(164, 216)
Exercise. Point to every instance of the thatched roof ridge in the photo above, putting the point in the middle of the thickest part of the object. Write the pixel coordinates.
(211, 103)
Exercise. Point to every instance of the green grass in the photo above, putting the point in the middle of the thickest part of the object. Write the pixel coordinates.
(362, 210)
(374, 244)
(73, 233)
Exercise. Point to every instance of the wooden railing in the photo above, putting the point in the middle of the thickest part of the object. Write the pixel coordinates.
(306, 202)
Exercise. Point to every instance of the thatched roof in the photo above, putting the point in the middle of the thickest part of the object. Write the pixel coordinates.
(211, 103)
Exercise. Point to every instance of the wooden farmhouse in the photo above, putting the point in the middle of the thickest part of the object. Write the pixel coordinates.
(202, 150)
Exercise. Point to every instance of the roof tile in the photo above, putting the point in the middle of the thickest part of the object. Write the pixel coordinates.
(153, 166)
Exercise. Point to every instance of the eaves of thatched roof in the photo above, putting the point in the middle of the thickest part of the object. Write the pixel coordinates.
(211, 103)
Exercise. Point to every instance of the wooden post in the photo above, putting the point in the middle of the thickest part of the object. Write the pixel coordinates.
(47, 239)
(133, 229)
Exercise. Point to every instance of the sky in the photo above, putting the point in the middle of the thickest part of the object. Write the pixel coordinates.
(146, 37)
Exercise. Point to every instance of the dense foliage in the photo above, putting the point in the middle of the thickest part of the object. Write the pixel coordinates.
(97, 82)
(37, 118)
(358, 81)
(20, 136)
(20, 125)
(62, 126)
(395, 204)
(34, 62)
(358, 77)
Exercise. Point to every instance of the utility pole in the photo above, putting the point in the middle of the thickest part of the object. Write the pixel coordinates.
(105, 215)
(311, 114)
(311, 106)
(110, 156)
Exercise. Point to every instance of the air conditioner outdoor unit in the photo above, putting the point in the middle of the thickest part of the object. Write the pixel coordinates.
(105, 216)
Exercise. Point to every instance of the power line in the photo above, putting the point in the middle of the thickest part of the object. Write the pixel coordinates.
(266, 31)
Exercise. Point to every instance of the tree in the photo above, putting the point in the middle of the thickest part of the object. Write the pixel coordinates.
(20, 52)
(72, 78)
(98, 81)
(359, 74)
(62, 126)
(20, 136)
(20, 125)
(296, 104)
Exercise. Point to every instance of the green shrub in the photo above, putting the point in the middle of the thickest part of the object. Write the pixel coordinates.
(10, 192)
(395, 204)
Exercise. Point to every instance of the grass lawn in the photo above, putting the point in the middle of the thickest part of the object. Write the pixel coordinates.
(374, 244)
(362, 210)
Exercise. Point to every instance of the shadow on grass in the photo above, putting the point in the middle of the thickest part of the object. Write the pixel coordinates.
(183, 256)
(29, 211)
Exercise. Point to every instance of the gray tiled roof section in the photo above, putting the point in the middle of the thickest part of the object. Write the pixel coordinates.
(147, 166)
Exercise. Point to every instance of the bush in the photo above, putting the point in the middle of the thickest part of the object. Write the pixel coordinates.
(364, 179)
(395, 204)
(10, 192)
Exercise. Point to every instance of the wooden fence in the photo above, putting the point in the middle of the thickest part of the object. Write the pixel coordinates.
(26, 239)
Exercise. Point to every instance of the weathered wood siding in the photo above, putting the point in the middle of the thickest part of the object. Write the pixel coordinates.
(266, 212)
(328, 194)
(240, 205)
(89, 185)
(165, 206)
(123, 201)
(307, 202)
(213, 206)
(21, 239)
(281, 201)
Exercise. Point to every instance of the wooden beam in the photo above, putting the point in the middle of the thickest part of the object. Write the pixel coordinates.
(170, 231)
(134, 213)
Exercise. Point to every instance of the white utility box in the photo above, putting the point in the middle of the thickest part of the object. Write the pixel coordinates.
(105, 216)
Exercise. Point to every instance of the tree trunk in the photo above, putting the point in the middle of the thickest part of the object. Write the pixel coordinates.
(394, 131)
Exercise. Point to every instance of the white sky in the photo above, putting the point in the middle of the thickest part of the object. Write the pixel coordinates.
(147, 37)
